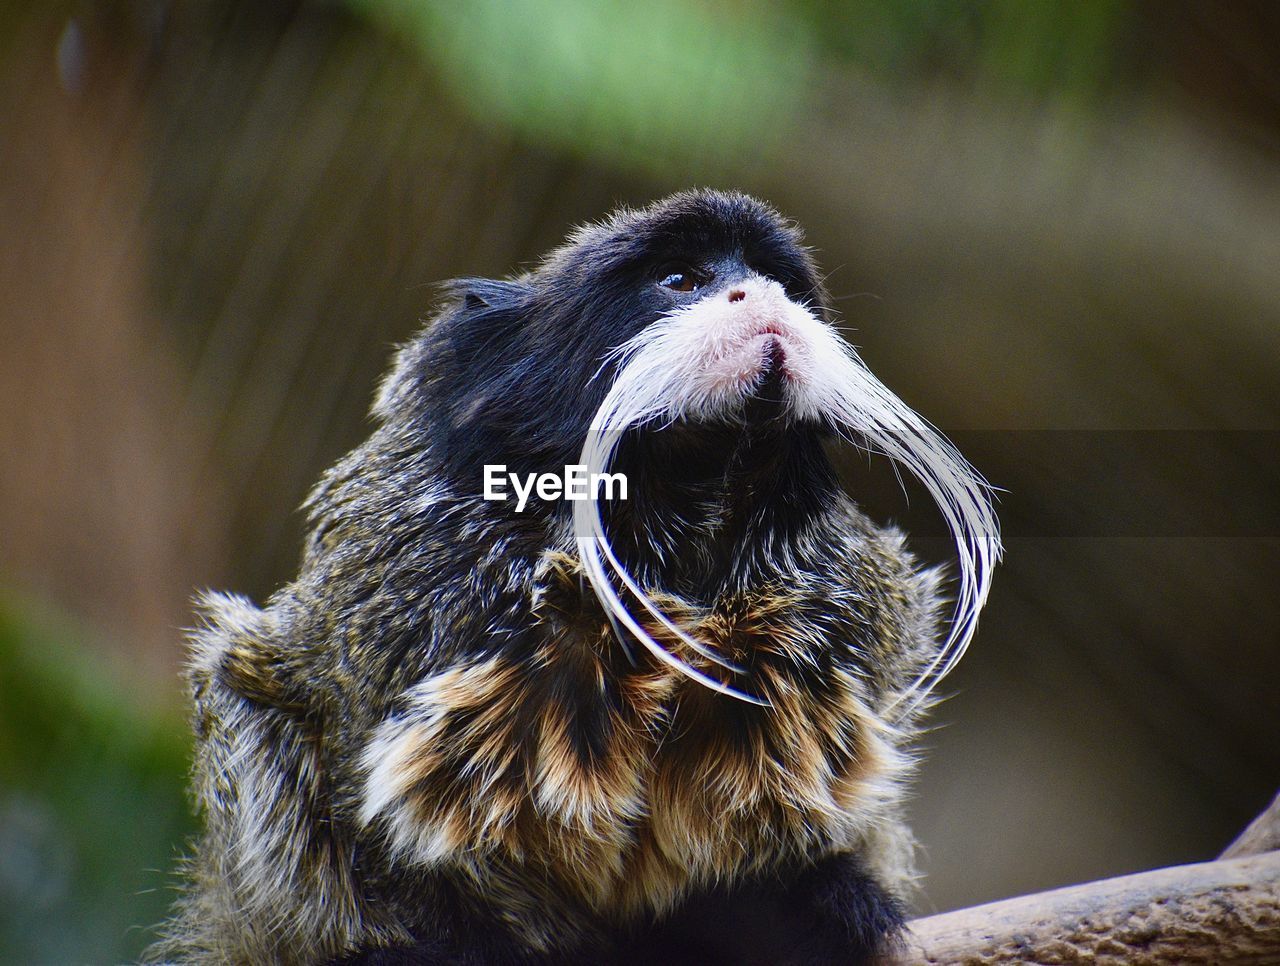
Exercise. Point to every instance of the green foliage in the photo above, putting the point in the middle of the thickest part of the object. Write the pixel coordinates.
(1051, 50)
(655, 84)
(667, 84)
(895, 39)
(1061, 48)
(92, 808)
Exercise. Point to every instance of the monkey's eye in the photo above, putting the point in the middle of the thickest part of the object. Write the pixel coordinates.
(679, 278)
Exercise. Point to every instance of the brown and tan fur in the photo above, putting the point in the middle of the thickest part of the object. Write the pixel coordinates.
(676, 792)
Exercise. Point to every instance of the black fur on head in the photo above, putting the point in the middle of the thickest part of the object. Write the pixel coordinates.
(513, 371)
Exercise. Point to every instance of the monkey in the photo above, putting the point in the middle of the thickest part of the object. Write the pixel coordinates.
(670, 728)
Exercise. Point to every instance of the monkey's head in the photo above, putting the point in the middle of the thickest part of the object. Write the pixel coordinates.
(687, 344)
(717, 286)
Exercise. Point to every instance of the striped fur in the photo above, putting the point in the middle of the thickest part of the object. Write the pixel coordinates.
(646, 785)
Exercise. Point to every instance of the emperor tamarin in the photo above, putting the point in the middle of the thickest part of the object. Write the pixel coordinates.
(668, 728)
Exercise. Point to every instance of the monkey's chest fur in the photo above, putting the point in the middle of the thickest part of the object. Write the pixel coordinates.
(620, 785)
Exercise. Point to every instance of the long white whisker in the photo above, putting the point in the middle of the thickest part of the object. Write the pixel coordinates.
(662, 378)
(595, 551)
(859, 401)
(591, 563)
(597, 454)
(627, 405)
(630, 583)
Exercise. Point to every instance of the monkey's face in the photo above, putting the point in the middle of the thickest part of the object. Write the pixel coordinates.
(744, 340)
(712, 301)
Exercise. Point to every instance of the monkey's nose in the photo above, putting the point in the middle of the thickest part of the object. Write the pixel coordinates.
(737, 295)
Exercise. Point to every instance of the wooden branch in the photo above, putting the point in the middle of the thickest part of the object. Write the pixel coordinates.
(1262, 835)
(1217, 913)
(1222, 912)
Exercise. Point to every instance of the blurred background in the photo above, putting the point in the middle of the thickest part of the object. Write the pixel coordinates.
(1053, 228)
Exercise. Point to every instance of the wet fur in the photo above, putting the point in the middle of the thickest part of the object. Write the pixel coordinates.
(433, 747)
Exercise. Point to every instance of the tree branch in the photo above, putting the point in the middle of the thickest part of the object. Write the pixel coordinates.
(1262, 835)
(1214, 913)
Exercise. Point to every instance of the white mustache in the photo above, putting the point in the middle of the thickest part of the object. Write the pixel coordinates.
(691, 365)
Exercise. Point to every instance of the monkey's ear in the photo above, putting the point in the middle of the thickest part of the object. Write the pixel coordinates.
(487, 313)
(488, 293)
(478, 312)
(476, 309)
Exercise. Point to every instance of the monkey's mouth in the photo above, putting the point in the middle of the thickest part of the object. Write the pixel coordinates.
(759, 360)
(773, 374)
(773, 358)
